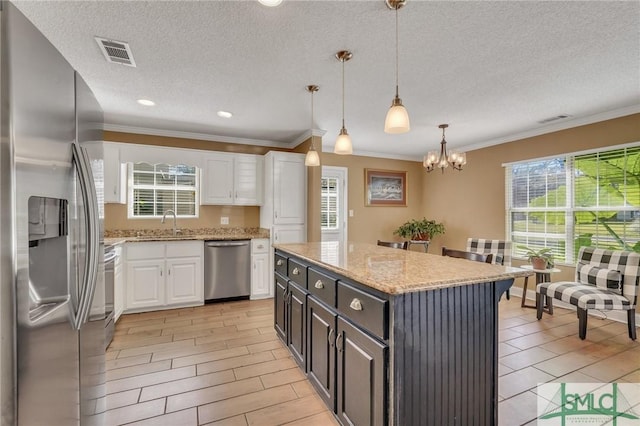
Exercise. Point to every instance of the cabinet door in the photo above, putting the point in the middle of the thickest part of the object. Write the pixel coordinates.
(289, 234)
(184, 280)
(247, 186)
(118, 286)
(361, 377)
(260, 275)
(297, 331)
(115, 190)
(280, 308)
(321, 352)
(217, 180)
(290, 188)
(145, 283)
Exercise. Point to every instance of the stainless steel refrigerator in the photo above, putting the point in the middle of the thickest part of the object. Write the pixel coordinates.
(52, 303)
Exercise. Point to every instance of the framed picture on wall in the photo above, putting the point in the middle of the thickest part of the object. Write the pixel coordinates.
(385, 187)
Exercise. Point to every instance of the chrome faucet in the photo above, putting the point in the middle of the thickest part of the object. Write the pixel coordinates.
(164, 216)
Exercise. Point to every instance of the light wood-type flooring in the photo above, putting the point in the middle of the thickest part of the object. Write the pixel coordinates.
(222, 364)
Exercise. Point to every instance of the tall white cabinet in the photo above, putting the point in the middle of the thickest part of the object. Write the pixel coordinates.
(284, 211)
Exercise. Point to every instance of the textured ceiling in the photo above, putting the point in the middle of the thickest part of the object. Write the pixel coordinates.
(491, 70)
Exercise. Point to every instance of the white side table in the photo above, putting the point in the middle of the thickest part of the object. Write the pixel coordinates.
(542, 276)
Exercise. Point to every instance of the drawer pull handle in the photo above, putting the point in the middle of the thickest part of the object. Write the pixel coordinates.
(318, 284)
(295, 271)
(356, 304)
(279, 262)
(338, 344)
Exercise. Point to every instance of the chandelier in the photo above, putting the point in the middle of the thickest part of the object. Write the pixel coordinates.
(441, 160)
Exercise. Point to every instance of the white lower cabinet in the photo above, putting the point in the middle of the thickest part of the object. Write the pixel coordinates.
(118, 285)
(163, 275)
(260, 269)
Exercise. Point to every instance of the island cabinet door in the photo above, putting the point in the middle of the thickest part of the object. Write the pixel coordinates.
(362, 372)
(280, 308)
(321, 351)
(297, 324)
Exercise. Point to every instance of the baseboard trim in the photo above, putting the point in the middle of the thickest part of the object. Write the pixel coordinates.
(619, 316)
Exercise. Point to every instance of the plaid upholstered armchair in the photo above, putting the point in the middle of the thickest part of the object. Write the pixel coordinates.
(605, 280)
(500, 249)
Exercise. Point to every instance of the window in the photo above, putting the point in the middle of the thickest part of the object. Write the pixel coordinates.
(573, 201)
(155, 188)
(329, 204)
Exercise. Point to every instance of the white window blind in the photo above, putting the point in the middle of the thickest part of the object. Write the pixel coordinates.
(573, 201)
(329, 204)
(155, 188)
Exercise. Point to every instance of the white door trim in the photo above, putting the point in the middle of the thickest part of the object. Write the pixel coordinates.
(341, 173)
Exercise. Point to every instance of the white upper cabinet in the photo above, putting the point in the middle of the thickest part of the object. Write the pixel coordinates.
(248, 180)
(289, 189)
(231, 179)
(217, 179)
(115, 176)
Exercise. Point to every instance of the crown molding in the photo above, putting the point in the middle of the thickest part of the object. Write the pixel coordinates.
(193, 135)
(555, 127)
(306, 135)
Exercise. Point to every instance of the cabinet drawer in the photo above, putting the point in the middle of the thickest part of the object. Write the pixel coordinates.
(364, 309)
(280, 264)
(259, 245)
(140, 251)
(297, 273)
(185, 249)
(322, 286)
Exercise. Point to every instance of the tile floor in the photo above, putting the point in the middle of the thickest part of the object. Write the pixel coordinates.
(222, 364)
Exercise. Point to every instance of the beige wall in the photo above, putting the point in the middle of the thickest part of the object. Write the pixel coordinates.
(472, 202)
(370, 224)
(115, 217)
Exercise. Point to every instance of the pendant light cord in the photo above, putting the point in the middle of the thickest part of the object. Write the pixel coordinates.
(397, 50)
(342, 60)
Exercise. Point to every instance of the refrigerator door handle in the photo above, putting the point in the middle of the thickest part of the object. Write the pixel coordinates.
(87, 189)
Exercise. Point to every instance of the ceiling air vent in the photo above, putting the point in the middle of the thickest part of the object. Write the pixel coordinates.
(556, 118)
(117, 52)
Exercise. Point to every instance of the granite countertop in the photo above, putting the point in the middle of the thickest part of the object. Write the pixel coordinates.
(114, 237)
(395, 271)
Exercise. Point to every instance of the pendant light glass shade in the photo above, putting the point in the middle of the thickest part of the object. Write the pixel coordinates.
(343, 144)
(397, 120)
(312, 159)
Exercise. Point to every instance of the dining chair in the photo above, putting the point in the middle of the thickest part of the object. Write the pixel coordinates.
(478, 257)
(501, 250)
(404, 245)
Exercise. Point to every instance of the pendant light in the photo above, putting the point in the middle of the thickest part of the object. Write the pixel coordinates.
(343, 144)
(443, 160)
(312, 159)
(397, 120)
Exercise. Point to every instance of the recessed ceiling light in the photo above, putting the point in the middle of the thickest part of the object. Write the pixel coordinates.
(270, 3)
(224, 114)
(146, 102)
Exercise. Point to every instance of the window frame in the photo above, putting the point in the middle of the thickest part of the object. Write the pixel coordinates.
(569, 208)
(131, 187)
(336, 197)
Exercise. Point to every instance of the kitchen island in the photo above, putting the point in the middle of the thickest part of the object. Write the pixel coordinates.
(389, 336)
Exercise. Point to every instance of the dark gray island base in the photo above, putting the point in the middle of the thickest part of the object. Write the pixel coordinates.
(421, 352)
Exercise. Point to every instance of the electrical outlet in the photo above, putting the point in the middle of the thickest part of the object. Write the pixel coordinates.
(224, 220)
(350, 213)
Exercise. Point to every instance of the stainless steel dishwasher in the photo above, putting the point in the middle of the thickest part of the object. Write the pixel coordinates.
(227, 270)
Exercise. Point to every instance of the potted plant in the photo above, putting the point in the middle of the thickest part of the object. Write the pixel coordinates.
(419, 230)
(539, 259)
